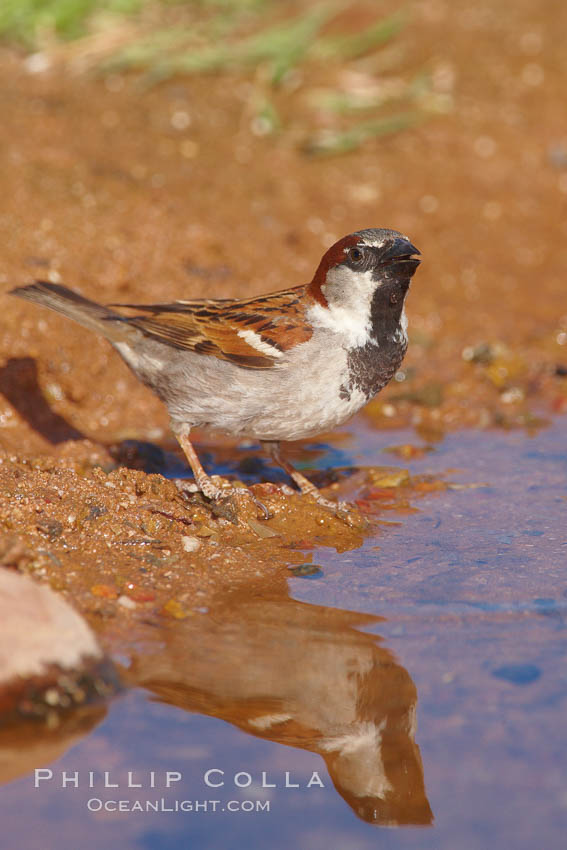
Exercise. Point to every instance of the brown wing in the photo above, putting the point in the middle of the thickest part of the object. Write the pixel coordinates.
(253, 333)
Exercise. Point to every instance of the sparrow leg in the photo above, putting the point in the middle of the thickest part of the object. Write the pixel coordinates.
(307, 488)
(203, 481)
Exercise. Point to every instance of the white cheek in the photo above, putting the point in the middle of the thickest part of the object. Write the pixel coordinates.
(341, 320)
(348, 313)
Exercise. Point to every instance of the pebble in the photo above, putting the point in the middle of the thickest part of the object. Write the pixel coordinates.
(126, 602)
(190, 544)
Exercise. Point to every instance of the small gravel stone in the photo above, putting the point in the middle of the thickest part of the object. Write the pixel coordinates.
(190, 544)
(126, 602)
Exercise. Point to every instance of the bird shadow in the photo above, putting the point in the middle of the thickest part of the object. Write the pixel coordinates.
(20, 386)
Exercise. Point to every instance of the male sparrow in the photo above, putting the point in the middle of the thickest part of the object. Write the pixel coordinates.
(281, 366)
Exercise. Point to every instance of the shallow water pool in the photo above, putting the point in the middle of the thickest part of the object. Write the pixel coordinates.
(417, 683)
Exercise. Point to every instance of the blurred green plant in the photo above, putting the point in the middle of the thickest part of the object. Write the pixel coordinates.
(198, 49)
(28, 21)
(357, 44)
(327, 142)
(283, 47)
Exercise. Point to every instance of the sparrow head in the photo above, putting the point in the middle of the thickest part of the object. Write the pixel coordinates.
(361, 283)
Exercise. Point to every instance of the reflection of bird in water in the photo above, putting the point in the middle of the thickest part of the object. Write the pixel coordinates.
(304, 676)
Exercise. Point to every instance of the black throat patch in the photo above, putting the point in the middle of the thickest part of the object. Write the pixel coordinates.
(372, 365)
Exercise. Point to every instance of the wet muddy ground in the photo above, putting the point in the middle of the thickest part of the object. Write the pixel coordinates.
(454, 552)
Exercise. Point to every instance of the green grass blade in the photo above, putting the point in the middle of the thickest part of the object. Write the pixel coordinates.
(359, 43)
(332, 142)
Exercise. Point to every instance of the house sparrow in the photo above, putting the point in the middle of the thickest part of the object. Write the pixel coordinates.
(281, 366)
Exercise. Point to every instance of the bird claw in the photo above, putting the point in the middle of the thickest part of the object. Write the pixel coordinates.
(326, 503)
(213, 493)
(224, 494)
(342, 510)
(241, 491)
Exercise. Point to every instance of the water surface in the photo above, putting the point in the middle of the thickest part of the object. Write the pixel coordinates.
(418, 683)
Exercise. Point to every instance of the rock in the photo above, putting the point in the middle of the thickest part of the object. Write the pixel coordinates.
(49, 657)
(190, 544)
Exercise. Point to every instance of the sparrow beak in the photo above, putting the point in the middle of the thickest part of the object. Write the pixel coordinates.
(400, 250)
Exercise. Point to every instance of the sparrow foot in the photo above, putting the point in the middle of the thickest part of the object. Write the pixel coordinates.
(232, 493)
(205, 484)
(213, 493)
(326, 503)
(342, 510)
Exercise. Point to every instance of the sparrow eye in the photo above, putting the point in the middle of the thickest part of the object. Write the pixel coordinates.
(355, 255)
